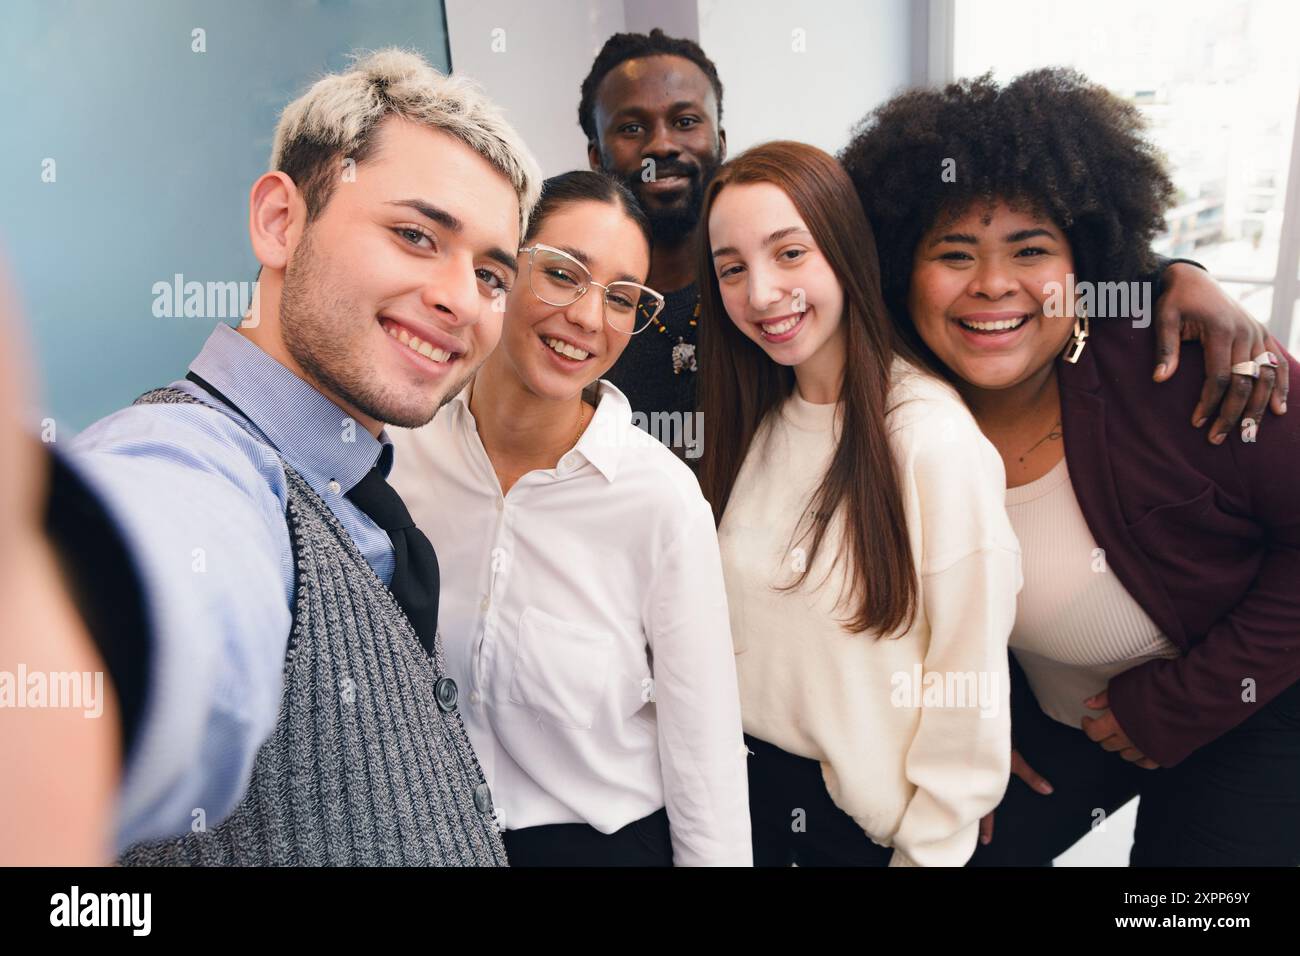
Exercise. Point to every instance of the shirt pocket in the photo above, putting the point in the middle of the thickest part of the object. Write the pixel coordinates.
(1182, 534)
(1177, 512)
(560, 668)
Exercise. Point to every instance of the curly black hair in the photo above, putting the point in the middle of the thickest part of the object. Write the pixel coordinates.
(1049, 141)
(622, 47)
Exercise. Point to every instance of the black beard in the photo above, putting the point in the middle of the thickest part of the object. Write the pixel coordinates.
(670, 226)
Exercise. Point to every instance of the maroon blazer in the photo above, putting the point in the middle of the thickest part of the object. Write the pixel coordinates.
(1205, 538)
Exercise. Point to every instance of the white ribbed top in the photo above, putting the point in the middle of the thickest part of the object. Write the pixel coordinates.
(1076, 624)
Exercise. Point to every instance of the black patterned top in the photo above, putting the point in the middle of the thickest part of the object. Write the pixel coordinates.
(657, 369)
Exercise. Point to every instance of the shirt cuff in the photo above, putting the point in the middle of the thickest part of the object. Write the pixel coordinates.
(1132, 696)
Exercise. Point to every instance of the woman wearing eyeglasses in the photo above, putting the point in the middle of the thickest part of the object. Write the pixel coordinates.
(583, 615)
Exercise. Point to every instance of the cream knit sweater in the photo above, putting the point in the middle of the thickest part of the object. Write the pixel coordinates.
(913, 730)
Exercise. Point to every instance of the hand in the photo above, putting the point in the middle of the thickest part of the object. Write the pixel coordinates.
(1026, 773)
(60, 766)
(1195, 307)
(1105, 730)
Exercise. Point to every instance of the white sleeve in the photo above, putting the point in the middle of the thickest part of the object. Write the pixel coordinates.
(697, 700)
(960, 758)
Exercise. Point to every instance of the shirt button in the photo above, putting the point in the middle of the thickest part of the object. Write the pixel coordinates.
(474, 698)
(483, 604)
(501, 504)
(335, 487)
(483, 798)
(445, 693)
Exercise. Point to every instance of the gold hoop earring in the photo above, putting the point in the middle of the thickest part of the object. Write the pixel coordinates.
(1074, 348)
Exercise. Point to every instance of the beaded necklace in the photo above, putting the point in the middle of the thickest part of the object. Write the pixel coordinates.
(683, 353)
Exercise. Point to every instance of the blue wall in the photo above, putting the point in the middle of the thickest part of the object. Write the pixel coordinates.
(155, 148)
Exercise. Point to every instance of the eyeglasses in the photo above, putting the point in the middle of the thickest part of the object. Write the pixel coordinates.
(559, 279)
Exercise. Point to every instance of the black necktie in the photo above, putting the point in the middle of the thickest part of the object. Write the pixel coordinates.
(415, 563)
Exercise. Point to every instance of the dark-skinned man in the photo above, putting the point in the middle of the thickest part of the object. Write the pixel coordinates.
(651, 109)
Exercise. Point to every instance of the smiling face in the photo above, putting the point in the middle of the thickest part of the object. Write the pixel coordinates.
(660, 108)
(978, 290)
(776, 285)
(386, 301)
(556, 351)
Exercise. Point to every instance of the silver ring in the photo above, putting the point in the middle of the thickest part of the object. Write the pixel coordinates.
(1266, 358)
(1246, 368)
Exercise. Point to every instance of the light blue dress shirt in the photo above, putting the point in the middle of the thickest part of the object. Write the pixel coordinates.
(200, 498)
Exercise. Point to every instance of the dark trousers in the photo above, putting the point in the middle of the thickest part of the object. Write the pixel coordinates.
(644, 842)
(793, 818)
(1234, 802)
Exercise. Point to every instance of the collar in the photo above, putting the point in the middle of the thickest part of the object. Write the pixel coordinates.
(606, 435)
(602, 441)
(312, 433)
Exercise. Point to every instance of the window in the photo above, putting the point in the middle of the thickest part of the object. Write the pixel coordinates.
(1218, 83)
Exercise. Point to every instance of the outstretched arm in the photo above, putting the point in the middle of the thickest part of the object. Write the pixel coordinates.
(61, 769)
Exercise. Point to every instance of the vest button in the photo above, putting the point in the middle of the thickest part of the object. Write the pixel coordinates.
(445, 693)
(483, 798)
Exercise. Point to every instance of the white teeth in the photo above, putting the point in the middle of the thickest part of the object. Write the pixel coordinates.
(998, 326)
(565, 349)
(776, 328)
(417, 345)
(429, 352)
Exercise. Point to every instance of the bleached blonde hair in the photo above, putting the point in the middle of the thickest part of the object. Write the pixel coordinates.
(338, 116)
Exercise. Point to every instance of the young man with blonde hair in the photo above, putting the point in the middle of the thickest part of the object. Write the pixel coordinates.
(293, 708)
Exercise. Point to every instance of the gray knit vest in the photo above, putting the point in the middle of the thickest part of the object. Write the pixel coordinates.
(364, 767)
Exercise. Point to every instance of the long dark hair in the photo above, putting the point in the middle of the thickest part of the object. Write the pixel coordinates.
(585, 185)
(739, 385)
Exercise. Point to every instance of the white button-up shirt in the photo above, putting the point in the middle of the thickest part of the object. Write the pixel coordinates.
(584, 619)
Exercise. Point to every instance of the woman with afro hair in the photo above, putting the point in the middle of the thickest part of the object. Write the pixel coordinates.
(1157, 635)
